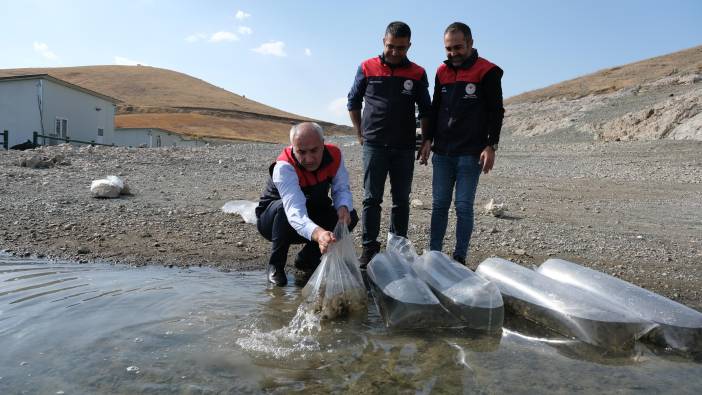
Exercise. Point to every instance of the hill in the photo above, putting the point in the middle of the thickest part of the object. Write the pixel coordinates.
(657, 98)
(609, 80)
(159, 98)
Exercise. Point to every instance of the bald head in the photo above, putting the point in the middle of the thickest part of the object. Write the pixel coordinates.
(307, 140)
(305, 128)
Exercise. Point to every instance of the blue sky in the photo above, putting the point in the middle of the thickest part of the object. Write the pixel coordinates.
(301, 56)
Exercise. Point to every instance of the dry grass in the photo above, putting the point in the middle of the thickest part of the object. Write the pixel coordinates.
(165, 99)
(620, 77)
(153, 87)
(198, 125)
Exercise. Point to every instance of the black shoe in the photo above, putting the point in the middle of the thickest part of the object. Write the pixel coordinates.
(369, 251)
(460, 259)
(302, 277)
(303, 265)
(277, 276)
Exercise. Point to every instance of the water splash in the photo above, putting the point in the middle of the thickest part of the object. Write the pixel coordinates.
(297, 338)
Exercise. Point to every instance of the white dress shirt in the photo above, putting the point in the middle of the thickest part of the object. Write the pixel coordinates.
(294, 201)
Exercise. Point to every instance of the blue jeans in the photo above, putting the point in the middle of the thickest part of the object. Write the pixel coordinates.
(378, 162)
(463, 172)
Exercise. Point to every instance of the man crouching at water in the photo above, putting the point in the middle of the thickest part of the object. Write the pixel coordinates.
(295, 206)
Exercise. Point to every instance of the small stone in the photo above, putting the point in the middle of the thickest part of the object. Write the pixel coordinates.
(520, 251)
(133, 369)
(83, 250)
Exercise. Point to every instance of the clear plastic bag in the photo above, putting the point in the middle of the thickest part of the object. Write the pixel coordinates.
(564, 308)
(474, 301)
(404, 301)
(679, 327)
(336, 287)
(469, 297)
(245, 208)
(402, 246)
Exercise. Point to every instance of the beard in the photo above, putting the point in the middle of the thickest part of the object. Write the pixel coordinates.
(456, 59)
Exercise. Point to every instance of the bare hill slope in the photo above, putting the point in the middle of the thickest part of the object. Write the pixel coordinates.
(658, 98)
(609, 80)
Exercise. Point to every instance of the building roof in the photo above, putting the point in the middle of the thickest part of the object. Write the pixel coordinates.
(60, 82)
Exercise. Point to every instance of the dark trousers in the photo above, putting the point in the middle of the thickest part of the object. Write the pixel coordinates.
(274, 226)
(378, 163)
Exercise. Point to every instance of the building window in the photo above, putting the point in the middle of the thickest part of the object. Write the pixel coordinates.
(101, 132)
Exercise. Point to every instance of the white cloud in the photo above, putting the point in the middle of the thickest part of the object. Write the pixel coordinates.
(121, 61)
(275, 48)
(44, 51)
(308, 52)
(195, 37)
(244, 30)
(223, 36)
(241, 15)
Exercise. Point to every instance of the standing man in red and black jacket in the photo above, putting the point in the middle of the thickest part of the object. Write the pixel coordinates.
(467, 115)
(391, 87)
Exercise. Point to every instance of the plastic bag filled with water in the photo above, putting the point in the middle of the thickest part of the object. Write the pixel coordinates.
(336, 287)
(679, 327)
(468, 296)
(402, 246)
(404, 301)
(473, 300)
(564, 308)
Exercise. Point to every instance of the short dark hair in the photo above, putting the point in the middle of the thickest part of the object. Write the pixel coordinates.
(459, 27)
(398, 29)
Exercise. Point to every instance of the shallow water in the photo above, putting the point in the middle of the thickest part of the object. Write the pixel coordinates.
(76, 329)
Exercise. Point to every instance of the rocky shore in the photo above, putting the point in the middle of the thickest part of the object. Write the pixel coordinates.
(631, 209)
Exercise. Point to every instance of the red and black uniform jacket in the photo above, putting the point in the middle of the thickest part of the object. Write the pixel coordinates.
(314, 184)
(467, 107)
(390, 93)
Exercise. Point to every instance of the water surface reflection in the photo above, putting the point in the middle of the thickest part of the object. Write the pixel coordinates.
(114, 329)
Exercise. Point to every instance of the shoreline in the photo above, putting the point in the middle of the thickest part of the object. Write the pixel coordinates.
(627, 209)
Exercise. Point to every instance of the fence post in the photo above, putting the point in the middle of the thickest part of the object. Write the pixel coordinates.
(5, 139)
(35, 138)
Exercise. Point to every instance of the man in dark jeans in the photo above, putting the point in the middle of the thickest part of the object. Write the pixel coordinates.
(295, 206)
(468, 113)
(391, 87)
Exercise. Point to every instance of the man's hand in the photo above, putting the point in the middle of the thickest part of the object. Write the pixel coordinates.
(487, 159)
(344, 215)
(324, 238)
(424, 151)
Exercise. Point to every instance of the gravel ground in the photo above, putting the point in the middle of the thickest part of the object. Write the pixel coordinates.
(630, 209)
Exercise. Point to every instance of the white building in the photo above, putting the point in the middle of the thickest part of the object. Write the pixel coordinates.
(153, 138)
(53, 107)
